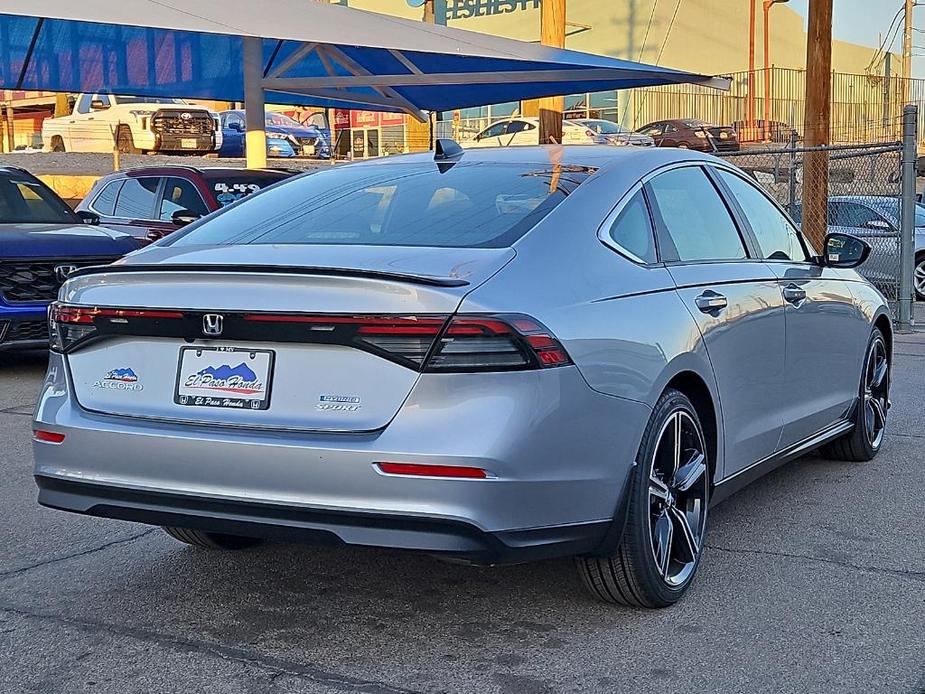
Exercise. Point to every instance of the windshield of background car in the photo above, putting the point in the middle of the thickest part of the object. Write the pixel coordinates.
(281, 119)
(603, 127)
(468, 205)
(228, 186)
(25, 201)
(148, 100)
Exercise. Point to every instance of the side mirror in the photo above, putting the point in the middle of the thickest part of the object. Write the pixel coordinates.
(98, 105)
(183, 217)
(236, 127)
(880, 224)
(844, 251)
(88, 217)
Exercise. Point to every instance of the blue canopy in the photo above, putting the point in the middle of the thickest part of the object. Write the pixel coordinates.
(312, 53)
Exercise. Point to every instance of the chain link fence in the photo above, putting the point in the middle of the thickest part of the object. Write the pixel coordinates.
(864, 195)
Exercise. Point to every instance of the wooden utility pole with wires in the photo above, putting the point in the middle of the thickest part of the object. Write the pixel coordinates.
(907, 50)
(552, 33)
(816, 120)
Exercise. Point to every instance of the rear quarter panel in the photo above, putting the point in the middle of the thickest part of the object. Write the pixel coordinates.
(623, 324)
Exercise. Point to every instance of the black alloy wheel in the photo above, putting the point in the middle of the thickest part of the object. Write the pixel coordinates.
(678, 493)
(864, 441)
(665, 532)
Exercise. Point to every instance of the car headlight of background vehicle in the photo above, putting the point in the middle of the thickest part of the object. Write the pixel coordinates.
(701, 134)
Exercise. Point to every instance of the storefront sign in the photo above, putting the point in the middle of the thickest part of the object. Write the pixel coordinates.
(341, 118)
(364, 119)
(464, 9)
(391, 119)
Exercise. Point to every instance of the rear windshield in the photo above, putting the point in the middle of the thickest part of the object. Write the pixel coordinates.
(229, 186)
(26, 201)
(467, 205)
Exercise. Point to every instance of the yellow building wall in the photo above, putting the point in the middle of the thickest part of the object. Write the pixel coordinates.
(707, 36)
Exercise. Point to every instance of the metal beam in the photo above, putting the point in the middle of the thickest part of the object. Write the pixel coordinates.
(453, 78)
(254, 106)
(297, 55)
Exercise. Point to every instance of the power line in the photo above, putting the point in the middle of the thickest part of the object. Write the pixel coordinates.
(668, 33)
(645, 39)
(887, 41)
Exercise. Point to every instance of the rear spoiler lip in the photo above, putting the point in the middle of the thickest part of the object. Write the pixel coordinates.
(429, 280)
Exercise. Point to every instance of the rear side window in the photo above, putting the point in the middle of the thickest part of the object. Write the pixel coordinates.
(105, 201)
(467, 205)
(776, 236)
(136, 199)
(695, 218)
(632, 230)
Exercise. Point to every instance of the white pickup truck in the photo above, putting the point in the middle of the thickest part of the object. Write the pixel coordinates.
(135, 124)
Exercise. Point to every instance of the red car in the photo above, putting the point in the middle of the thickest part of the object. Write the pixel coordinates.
(689, 133)
(150, 203)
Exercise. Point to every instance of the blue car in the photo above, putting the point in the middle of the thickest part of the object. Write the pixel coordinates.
(286, 137)
(41, 242)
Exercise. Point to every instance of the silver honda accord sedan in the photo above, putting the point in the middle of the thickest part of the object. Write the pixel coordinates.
(491, 355)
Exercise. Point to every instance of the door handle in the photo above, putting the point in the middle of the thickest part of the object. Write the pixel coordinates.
(710, 301)
(794, 294)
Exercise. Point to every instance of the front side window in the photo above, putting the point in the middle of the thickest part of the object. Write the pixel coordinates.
(137, 197)
(83, 104)
(632, 230)
(24, 201)
(468, 205)
(180, 194)
(695, 218)
(777, 238)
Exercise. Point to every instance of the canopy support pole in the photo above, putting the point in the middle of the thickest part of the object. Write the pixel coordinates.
(254, 106)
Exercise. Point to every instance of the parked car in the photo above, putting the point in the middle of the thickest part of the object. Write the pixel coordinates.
(285, 137)
(136, 124)
(875, 218)
(151, 202)
(777, 131)
(689, 133)
(609, 133)
(42, 241)
(518, 131)
(480, 354)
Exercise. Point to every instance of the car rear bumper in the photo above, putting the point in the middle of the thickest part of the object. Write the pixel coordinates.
(459, 539)
(557, 454)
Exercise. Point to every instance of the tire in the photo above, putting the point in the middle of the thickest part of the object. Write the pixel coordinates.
(864, 441)
(919, 277)
(57, 144)
(206, 540)
(638, 574)
(125, 142)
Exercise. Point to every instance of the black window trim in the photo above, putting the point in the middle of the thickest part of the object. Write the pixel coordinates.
(733, 203)
(668, 254)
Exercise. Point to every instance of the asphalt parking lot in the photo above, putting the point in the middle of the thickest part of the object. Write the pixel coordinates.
(814, 581)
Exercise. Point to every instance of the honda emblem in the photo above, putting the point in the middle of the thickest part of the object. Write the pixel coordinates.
(63, 271)
(212, 324)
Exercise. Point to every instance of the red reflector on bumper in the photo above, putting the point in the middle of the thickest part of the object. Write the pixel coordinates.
(48, 436)
(432, 470)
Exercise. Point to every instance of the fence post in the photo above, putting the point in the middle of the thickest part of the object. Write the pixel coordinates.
(792, 176)
(907, 226)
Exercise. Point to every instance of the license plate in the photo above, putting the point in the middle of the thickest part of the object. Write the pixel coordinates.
(308, 150)
(188, 143)
(232, 377)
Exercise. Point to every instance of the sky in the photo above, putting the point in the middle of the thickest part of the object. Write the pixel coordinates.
(866, 22)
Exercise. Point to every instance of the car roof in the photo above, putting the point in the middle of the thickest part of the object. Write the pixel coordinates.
(596, 156)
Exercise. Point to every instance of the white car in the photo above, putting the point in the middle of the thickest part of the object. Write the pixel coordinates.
(136, 124)
(525, 131)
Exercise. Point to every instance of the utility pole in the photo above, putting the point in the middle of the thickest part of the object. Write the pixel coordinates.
(751, 70)
(907, 50)
(816, 120)
(552, 33)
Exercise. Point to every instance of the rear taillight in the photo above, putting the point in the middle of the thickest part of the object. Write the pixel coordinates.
(496, 343)
(68, 325)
